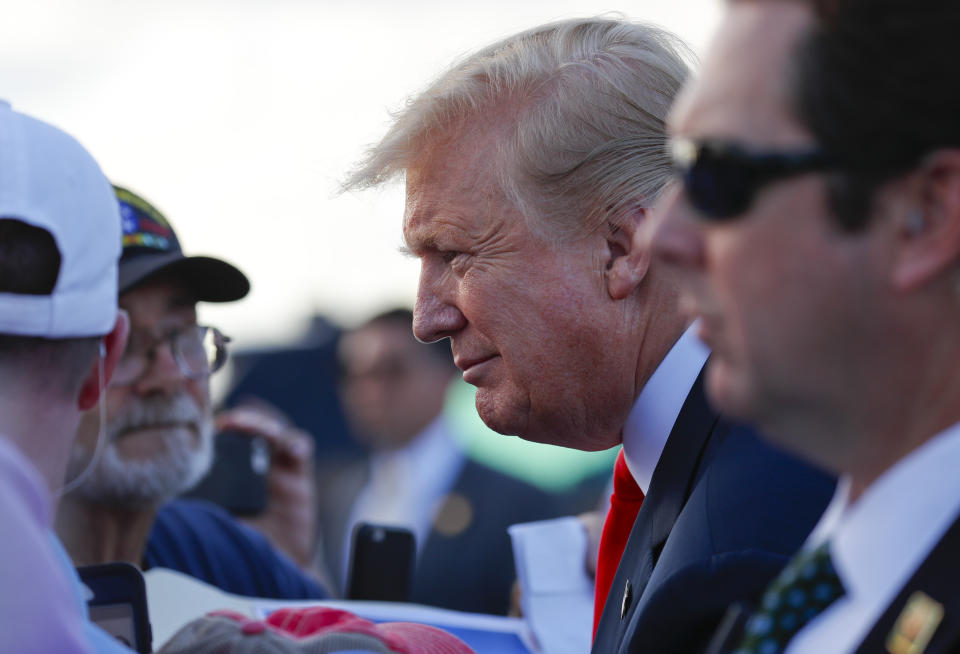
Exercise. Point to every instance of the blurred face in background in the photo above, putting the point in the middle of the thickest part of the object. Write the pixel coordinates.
(392, 387)
(159, 426)
(787, 301)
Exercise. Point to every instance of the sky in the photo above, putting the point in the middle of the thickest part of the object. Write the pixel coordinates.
(239, 118)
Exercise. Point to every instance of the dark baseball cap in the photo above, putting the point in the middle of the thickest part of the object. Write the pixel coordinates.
(151, 248)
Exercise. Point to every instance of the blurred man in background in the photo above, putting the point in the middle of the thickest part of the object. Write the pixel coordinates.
(418, 477)
(160, 428)
(530, 169)
(60, 337)
(817, 231)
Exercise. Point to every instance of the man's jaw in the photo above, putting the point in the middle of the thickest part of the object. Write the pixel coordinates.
(181, 454)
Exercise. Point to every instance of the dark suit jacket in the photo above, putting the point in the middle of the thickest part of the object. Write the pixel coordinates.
(937, 579)
(469, 568)
(723, 515)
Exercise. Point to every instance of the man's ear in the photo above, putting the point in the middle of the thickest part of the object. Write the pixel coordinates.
(111, 349)
(928, 238)
(627, 252)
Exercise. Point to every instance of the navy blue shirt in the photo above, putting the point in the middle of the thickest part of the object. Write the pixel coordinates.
(204, 541)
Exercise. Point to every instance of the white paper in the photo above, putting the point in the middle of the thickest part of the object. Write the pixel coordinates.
(550, 557)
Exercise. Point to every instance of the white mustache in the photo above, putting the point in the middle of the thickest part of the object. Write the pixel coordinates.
(155, 411)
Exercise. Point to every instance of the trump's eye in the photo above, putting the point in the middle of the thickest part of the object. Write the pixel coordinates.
(449, 256)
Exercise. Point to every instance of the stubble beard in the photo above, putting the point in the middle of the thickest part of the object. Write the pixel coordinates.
(183, 459)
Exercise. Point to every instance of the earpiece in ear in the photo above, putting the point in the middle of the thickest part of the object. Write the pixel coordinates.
(916, 222)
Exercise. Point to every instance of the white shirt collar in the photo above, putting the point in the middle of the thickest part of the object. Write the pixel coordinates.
(653, 414)
(879, 541)
(906, 509)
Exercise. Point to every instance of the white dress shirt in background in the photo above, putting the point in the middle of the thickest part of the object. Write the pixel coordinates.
(407, 485)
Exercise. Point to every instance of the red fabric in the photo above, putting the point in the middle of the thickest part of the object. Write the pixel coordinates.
(307, 624)
(624, 505)
(401, 637)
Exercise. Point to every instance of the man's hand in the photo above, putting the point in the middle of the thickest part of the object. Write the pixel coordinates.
(289, 521)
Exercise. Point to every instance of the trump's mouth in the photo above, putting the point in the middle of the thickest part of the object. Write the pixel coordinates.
(474, 368)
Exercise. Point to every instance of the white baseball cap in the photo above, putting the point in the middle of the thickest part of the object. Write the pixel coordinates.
(49, 181)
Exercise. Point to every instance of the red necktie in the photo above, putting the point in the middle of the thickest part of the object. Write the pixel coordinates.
(624, 505)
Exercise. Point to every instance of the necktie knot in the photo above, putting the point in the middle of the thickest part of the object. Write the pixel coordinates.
(807, 586)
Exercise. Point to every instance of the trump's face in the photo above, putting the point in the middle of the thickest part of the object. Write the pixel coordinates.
(784, 296)
(531, 322)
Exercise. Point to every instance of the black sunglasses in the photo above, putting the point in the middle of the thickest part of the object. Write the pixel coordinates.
(720, 178)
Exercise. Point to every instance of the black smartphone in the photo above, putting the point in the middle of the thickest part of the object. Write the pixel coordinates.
(119, 603)
(237, 479)
(381, 563)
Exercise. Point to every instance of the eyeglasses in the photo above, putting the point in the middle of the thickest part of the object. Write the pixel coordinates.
(198, 350)
(720, 179)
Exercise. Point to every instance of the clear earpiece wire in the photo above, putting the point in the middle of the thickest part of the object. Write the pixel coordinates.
(74, 483)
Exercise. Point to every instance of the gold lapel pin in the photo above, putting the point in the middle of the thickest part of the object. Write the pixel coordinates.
(915, 627)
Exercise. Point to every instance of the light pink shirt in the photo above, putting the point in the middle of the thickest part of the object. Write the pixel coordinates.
(38, 608)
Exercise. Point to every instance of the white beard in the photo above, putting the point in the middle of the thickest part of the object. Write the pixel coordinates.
(177, 467)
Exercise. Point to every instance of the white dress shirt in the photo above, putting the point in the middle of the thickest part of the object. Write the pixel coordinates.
(407, 485)
(653, 414)
(878, 542)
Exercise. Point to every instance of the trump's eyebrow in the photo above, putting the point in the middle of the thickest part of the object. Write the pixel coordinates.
(421, 239)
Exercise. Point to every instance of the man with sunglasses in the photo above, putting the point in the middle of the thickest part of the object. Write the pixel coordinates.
(158, 434)
(816, 230)
(530, 169)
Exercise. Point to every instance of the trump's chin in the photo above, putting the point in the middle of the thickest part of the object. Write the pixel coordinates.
(501, 414)
(514, 418)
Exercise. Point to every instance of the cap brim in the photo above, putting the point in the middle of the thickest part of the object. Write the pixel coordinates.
(208, 279)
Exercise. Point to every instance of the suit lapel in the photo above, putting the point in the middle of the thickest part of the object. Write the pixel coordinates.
(465, 486)
(929, 602)
(673, 480)
(927, 605)
(677, 471)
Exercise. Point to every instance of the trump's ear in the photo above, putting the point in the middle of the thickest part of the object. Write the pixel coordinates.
(628, 256)
(928, 236)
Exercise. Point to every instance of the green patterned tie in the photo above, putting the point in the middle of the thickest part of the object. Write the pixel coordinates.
(807, 586)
